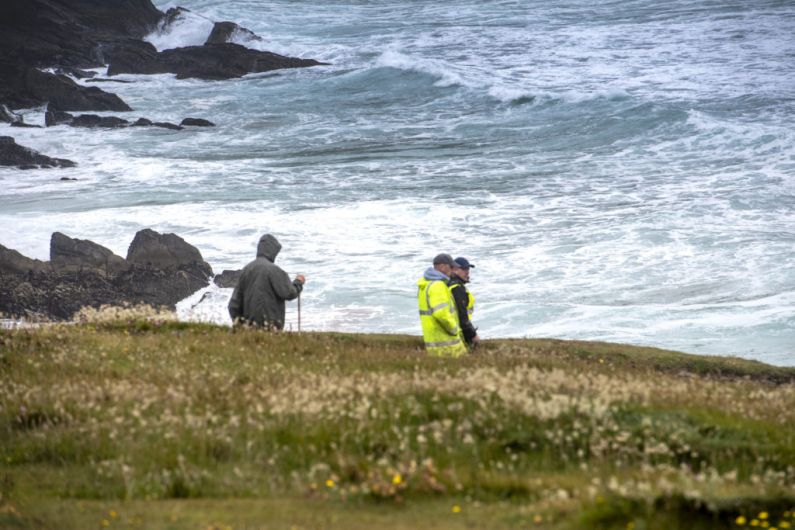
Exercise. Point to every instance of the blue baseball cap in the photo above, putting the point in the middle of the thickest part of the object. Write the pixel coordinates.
(463, 263)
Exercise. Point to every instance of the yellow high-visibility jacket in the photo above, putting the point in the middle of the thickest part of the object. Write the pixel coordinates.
(438, 316)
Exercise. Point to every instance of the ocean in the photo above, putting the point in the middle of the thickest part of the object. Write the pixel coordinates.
(618, 171)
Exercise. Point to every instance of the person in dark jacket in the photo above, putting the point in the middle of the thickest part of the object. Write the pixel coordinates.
(464, 301)
(262, 289)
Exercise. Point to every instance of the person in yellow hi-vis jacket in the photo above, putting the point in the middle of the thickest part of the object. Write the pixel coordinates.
(440, 328)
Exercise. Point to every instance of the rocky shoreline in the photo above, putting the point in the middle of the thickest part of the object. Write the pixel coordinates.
(159, 270)
(46, 44)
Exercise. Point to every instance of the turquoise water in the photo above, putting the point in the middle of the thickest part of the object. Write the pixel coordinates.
(622, 171)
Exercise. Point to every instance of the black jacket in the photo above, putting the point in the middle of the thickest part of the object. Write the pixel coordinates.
(461, 297)
(263, 287)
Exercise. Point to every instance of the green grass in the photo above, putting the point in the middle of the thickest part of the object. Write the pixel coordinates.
(175, 425)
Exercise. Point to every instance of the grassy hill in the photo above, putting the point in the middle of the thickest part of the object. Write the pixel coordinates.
(131, 420)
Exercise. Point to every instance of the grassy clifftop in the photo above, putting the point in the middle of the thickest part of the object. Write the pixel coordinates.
(141, 423)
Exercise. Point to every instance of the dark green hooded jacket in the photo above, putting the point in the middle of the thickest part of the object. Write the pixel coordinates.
(263, 287)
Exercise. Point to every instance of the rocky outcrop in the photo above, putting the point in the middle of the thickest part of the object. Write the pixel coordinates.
(166, 251)
(226, 31)
(160, 270)
(13, 154)
(25, 86)
(197, 122)
(92, 120)
(72, 35)
(211, 61)
(54, 117)
(74, 255)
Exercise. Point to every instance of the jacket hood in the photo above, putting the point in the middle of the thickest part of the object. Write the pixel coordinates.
(432, 274)
(268, 247)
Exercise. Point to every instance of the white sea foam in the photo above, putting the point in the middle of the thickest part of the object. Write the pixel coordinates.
(186, 29)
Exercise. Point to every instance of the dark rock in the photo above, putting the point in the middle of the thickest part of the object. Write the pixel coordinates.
(53, 116)
(13, 154)
(133, 57)
(165, 251)
(92, 120)
(167, 125)
(29, 87)
(74, 72)
(227, 278)
(211, 61)
(67, 178)
(171, 16)
(144, 122)
(25, 125)
(68, 33)
(224, 31)
(69, 255)
(103, 80)
(12, 262)
(197, 122)
(82, 273)
(7, 116)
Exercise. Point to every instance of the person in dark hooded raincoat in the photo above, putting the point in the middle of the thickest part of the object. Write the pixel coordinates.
(262, 289)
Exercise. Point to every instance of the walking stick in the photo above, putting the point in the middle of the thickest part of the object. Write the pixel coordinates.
(299, 312)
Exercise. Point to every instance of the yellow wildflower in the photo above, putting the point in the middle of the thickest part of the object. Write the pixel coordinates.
(113, 514)
(763, 515)
(456, 509)
(740, 520)
(784, 524)
(538, 519)
(397, 479)
(330, 483)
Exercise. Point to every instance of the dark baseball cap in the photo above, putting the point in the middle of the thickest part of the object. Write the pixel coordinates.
(444, 259)
(463, 263)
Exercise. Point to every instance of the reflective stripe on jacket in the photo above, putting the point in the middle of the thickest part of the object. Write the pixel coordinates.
(439, 319)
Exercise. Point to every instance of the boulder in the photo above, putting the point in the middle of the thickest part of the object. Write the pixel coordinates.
(225, 31)
(167, 125)
(228, 278)
(68, 254)
(197, 122)
(30, 87)
(144, 122)
(165, 251)
(53, 116)
(211, 61)
(92, 120)
(132, 56)
(13, 154)
(12, 262)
